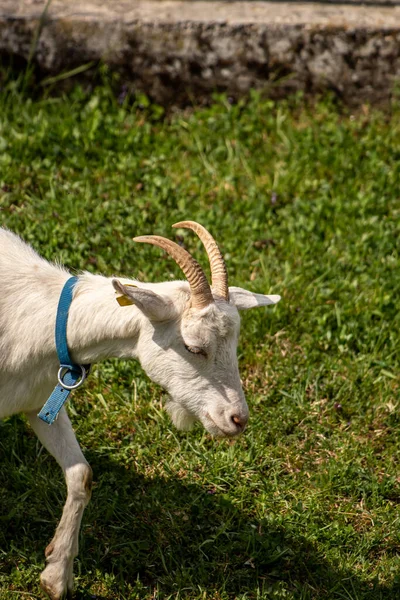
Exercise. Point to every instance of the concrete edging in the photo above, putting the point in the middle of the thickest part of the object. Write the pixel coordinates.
(176, 51)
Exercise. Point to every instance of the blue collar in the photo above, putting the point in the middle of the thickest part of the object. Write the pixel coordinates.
(70, 376)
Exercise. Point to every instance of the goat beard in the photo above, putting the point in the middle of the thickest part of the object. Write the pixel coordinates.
(180, 416)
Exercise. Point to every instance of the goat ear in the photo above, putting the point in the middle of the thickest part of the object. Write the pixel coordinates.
(154, 306)
(243, 299)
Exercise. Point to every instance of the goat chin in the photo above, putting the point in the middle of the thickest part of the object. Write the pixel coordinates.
(180, 416)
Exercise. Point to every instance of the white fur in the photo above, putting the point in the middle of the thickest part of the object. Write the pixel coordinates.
(155, 329)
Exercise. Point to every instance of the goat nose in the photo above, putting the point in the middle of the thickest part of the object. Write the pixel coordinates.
(240, 422)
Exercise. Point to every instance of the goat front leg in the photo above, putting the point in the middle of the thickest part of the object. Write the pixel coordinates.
(59, 439)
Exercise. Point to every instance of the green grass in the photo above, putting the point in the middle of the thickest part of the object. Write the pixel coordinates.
(304, 202)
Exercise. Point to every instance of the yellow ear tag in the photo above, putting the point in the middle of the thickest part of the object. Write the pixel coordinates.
(124, 301)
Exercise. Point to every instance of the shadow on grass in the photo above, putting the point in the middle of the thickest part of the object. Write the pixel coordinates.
(165, 532)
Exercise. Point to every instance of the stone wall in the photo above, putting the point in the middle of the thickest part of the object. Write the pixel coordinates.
(177, 52)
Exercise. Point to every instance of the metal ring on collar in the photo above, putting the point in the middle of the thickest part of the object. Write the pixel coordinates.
(75, 385)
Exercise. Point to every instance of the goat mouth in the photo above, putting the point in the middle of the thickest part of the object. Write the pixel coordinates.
(223, 433)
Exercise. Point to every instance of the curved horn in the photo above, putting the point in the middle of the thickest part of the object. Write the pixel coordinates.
(200, 290)
(219, 275)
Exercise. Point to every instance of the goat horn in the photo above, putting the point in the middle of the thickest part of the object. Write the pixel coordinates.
(219, 275)
(200, 290)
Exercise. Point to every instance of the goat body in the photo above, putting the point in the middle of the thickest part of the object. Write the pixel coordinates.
(188, 347)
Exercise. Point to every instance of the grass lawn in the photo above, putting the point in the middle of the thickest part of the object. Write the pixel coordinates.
(304, 202)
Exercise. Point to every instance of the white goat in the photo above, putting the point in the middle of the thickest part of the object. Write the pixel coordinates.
(184, 334)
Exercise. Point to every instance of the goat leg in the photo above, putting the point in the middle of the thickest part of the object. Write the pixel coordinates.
(59, 439)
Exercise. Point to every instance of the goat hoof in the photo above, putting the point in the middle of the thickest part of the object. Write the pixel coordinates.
(53, 585)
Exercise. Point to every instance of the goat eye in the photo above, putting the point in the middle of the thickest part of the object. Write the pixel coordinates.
(195, 350)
